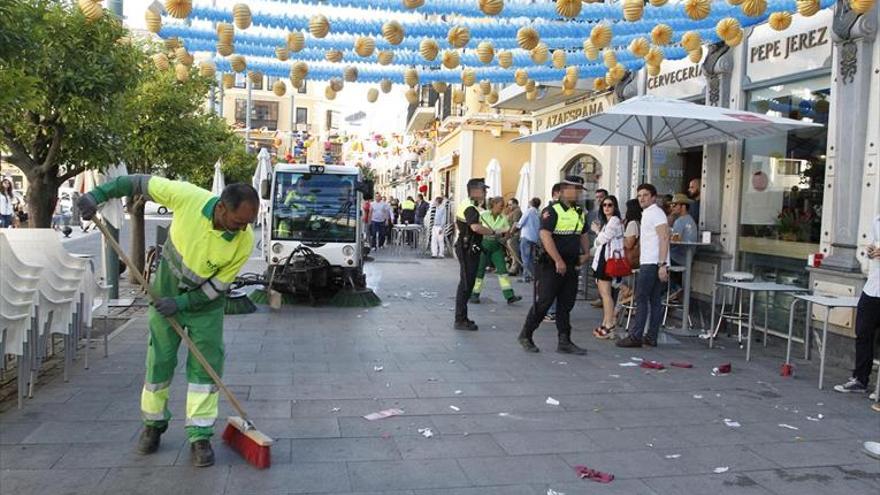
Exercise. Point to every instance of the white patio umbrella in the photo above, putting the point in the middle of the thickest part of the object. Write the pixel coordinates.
(493, 177)
(263, 171)
(653, 121)
(524, 188)
(219, 182)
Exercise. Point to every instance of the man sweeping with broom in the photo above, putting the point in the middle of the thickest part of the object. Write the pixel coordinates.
(209, 241)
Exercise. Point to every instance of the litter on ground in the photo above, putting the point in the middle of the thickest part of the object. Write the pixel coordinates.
(722, 469)
(426, 432)
(552, 402)
(385, 413)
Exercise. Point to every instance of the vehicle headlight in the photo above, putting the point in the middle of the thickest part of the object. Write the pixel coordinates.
(277, 247)
(348, 251)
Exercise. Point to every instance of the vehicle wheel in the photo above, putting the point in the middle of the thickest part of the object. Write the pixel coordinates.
(162, 210)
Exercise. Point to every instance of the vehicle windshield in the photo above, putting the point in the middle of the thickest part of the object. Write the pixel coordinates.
(314, 208)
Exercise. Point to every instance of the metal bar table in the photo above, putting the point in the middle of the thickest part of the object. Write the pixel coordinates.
(830, 302)
(690, 249)
(753, 288)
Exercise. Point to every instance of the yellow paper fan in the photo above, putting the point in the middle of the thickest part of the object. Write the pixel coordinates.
(225, 32)
(808, 8)
(300, 69)
(372, 95)
(350, 74)
(468, 77)
(179, 9)
(457, 96)
(207, 68)
(691, 40)
(727, 28)
(754, 8)
(153, 21)
(319, 26)
(696, 55)
(658, 3)
(279, 88)
(364, 46)
(568, 8)
(661, 34)
(329, 93)
(861, 6)
(590, 50)
(485, 52)
(411, 77)
(334, 56)
(521, 77)
(428, 48)
(228, 81)
(599, 84)
(393, 32)
(224, 49)
(160, 60)
(458, 36)
(413, 4)
(451, 59)
(559, 58)
(491, 7)
(540, 54)
(609, 58)
(385, 57)
(238, 63)
(241, 16)
(779, 21)
(698, 9)
(633, 10)
(655, 56)
(505, 59)
(527, 38)
(653, 70)
(485, 87)
(337, 84)
(600, 35)
(639, 47)
(255, 77)
(296, 40)
(181, 72)
(439, 86)
(492, 98)
(282, 53)
(385, 85)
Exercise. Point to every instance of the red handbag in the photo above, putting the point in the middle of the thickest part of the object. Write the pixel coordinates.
(617, 266)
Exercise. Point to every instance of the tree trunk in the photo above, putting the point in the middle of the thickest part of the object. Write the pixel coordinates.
(136, 212)
(41, 198)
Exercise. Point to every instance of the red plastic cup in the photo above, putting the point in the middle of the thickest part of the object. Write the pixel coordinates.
(787, 369)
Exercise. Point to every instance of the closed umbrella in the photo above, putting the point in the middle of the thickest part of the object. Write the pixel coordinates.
(112, 210)
(493, 177)
(654, 121)
(219, 182)
(263, 171)
(524, 188)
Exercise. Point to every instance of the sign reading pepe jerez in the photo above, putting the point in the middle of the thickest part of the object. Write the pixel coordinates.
(570, 111)
(804, 46)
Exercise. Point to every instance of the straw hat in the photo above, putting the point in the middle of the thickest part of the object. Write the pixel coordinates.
(680, 199)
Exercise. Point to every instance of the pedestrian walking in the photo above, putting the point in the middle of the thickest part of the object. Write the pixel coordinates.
(380, 217)
(438, 229)
(467, 249)
(209, 240)
(7, 204)
(867, 319)
(653, 270)
(565, 241)
(555, 191)
(493, 249)
(528, 226)
(609, 244)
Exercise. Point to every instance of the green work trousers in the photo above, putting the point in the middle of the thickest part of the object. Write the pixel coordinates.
(493, 252)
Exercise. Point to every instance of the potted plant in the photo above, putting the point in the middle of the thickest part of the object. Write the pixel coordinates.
(788, 224)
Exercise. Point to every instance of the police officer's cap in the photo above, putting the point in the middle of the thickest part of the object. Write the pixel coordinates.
(477, 183)
(573, 180)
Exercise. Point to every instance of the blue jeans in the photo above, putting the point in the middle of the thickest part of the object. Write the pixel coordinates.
(526, 252)
(377, 234)
(5, 221)
(649, 301)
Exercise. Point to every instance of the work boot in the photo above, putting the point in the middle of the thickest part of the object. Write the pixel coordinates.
(649, 342)
(475, 299)
(514, 299)
(149, 439)
(201, 453)
(566, 346)
(528, 344)
(466, 325)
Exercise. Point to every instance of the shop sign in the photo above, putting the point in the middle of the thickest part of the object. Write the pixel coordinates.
(572, 111)
(444, 162)
(679, 79)
(804, 46)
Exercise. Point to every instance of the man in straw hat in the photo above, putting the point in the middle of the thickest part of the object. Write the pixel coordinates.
(684, 229)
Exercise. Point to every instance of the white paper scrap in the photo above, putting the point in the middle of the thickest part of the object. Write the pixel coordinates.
(454, 408)
(387, 413)
(698, 396)
(731, 423)
(552, 402)
(783, 425)
(722, 469)
(672, 456)
(378, 368)
(628, 364)
(457, 392)
(426, 432)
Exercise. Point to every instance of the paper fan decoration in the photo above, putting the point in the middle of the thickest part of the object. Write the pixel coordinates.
(372, 95)
(633, 10)
(439, 86)
(255, 77)
(319, 26)
(485, 52)
(364, 46)
(505, 59)
(207, 68)
(661, 34)
(531, 86)
(160, 60)
(492, 98)
(451, 59)
(572, 71)
(385, 57)
(350, 74)
(808, 8)
(728, 28)
(428, 49)
(696, 55)
(861, 6)
(779, 21)
(735, 2)
(93, 11)
(736, 40)
(521, 77)
(458, 36)
(599, 84)
(609, 58)
(238, 63)
(485, 87)
(569, 82)
(457, 96)
(296, 41)
(559, 58)
(225, 32)
(413, 4)
(385, 85)
(531, 95)
(393, 32)
(334, 56)
(691, 40)
(754, 8)
(336, 84)
(590, 50)
(279, 88)
(181, 72)
(468, 77)
(653, 70)
(697, 9)
(616, 74)
(491, 7)
(600, 35)
(153, 21)
(412, 97)
(568, 8)
(282, 53)
(329, 94)
(655, 56)
(178, 9)
(300, 69)
(228, 80)
(241, 16)
(224, 49)
(411, 77)
(527, 38)
(639, 47)
(540, 54)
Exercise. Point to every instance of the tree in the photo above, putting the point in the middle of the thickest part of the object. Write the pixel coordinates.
(64, 84)
(236, 163)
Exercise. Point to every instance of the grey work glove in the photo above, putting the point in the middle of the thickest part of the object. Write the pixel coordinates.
(166, 306)
(88, 206)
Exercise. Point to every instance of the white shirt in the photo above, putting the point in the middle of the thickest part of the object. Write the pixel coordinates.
(649, 241)
(380, 212)
(611, 236)
(872, 286)
(6, 204)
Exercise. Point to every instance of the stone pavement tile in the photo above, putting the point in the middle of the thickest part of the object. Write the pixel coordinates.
(634, 438)
(117, 454)
(869, 472)
(469, 405)
(30, 456)
(397, 425)
(544, 442)
(332, 391)
(432, 366)
(153, 480)
(586, 487)
(714, 433)
(323, 408)
(813, 480)
(258, 409)
(84, 432)
(447, 446)
(326, 427)
(50, 481)
(407, 474)
(258, 378)
(225, 456)
(293, 478)
(75, 409)
(344, 449)
(122, 410)
(826, 429)
(642, 464)
(335, 378)
(703, 460)
(394, 492)
(485, 490)
(717, 484)
(516, 469)
(806, 454)
(491, 423)
(13, 432)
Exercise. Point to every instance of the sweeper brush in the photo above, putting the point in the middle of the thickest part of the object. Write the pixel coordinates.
(240, 433)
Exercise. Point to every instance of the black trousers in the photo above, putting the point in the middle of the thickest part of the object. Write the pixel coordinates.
(867, 328)
(550, 287)
(468, 261)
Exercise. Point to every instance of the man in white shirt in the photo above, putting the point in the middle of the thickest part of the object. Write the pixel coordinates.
(438, 229)
(380, 215)
(653, 270)
(867, 318)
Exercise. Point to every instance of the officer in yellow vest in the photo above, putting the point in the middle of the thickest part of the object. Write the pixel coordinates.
(467, 248)
(209, 240)
(566, 245)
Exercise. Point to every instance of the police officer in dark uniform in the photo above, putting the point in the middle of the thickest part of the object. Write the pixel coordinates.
(467, 248)
(566, 245)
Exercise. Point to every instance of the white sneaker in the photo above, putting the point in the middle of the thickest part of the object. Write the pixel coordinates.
(873, 396)
(853, 385)
(872, 449)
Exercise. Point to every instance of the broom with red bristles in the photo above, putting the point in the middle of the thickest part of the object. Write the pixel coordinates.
(240, 433)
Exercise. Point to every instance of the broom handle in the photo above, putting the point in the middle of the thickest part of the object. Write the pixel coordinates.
(171, 320)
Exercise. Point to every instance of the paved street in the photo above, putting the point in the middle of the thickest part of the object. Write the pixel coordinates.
(308, 375)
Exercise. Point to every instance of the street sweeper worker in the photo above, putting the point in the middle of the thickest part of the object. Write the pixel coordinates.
(209, 241)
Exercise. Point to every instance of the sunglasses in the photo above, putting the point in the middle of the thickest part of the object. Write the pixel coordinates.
(608, 205)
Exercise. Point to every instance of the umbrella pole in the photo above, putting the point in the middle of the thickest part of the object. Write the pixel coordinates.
(649, 162)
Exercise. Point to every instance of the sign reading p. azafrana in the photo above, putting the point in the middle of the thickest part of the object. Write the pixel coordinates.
(678, 79)
(804, 46)
(571, 111)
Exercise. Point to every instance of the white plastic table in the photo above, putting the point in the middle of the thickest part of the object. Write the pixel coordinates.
(829, 302)
(690, 248)
(753, 288)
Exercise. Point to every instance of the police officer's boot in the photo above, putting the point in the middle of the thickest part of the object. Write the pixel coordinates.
(525, 340)
(201, 453)
(566, 346)
(148, 442)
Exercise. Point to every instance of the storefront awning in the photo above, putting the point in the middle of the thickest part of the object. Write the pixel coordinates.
(421, 119)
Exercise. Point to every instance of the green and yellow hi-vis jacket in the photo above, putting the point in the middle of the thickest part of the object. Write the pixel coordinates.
(205, 260)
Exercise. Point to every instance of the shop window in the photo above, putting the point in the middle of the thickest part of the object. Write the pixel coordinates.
(587, 167)
(302, 116)
(263, 114)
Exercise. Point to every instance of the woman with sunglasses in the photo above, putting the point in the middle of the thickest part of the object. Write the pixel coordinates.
(609, 241)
